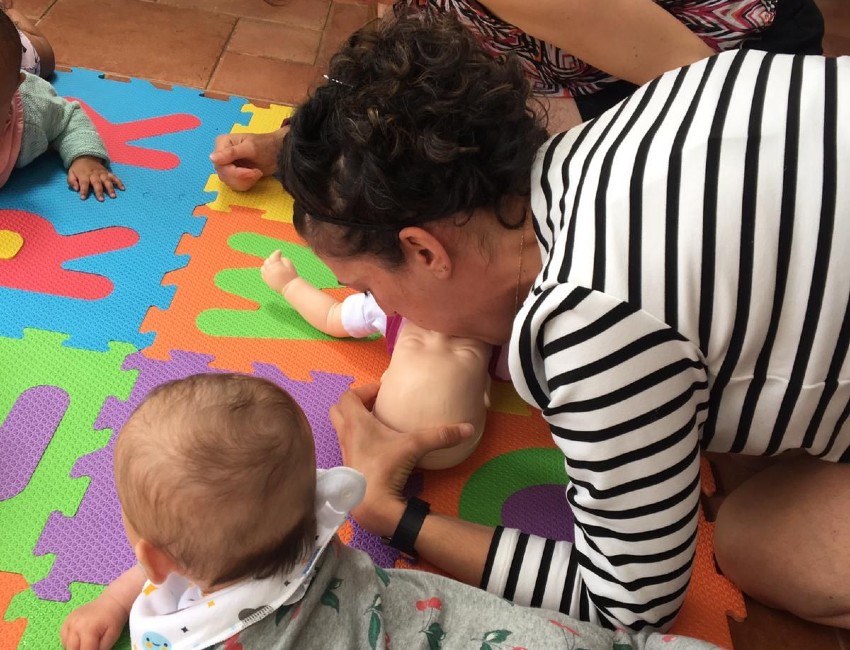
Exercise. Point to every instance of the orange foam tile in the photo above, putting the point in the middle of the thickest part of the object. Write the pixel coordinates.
(11, 584)
(196, 292)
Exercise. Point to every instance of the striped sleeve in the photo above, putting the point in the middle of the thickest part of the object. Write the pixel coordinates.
(624, 396)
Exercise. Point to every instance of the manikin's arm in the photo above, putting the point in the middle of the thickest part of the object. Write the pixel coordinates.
(98, 624)
(316, 307)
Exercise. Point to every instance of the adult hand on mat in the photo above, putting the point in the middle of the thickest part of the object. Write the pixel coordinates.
(384, 456)
(88, 173)
(242, 159)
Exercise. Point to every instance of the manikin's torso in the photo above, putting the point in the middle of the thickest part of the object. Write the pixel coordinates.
(434, 379)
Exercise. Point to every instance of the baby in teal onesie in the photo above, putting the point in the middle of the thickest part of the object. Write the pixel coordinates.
(37, 119)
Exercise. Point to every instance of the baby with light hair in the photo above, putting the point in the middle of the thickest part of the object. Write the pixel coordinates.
(235, 532)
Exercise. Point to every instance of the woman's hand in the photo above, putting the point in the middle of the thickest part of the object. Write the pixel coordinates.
(242, 159)
(384, 456)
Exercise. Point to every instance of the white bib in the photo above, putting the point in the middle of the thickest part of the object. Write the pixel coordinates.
(175, 615)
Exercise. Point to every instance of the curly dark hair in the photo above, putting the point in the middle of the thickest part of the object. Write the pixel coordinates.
(416, 123)
(11, 50)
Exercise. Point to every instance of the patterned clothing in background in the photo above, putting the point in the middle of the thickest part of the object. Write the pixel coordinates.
(722, 24)
(352, 603)
(30, 61)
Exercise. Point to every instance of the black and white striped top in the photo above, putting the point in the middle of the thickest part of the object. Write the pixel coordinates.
(694, 293)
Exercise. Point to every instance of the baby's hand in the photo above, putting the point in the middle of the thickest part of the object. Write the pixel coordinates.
(94, 626)
(88, 172)
(278, 271)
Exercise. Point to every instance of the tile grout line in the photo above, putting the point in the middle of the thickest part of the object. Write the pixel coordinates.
(221, 54)
(45, 12)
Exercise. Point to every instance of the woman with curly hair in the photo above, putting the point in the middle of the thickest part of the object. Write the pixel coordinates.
(670, 278)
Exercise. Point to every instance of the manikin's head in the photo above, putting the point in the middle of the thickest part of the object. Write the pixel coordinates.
(216, 475)
(10, 65)
(434, 380)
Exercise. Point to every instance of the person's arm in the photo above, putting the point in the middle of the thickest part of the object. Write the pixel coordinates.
(624, 396)
(68, 129)
(322, 311)
(98, 624)
(634, 40)
(242, 159)
(386, 458)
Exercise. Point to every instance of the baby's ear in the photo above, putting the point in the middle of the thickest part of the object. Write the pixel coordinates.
(156, 562)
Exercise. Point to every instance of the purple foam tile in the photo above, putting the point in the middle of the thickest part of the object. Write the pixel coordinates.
(315, 398)
(531, 510)
(25, 434)
(90, 546)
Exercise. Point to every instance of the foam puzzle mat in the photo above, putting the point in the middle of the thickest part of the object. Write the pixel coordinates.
(101, 302)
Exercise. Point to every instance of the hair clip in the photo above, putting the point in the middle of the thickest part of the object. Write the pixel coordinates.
(337, 81)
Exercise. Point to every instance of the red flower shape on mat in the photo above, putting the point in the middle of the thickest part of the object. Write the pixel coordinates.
(564, 627)
(37, 265)
(116, 135)
(431, 603)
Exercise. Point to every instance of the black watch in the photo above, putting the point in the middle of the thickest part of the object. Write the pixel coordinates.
(404, 537)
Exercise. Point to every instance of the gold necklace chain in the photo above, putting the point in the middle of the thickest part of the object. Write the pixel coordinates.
(519, 272)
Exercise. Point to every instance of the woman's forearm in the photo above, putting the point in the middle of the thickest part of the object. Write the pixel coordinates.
(634, 40)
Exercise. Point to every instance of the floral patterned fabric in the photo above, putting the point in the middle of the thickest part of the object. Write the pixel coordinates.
(352, 603)
(722, 24)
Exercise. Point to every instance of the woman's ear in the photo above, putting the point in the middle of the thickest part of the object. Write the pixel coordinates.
(424, 249)
(156, 562)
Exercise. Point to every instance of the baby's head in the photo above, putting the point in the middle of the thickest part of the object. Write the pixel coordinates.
(216, 475)
(10, 61)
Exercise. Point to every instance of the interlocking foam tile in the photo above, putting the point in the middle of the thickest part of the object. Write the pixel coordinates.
(163, 173)
(266, 195)
(235, 325)
(24, 436)
(75, 384)
(37, 263)
(46, 616)
(275, 318)
(11, 632)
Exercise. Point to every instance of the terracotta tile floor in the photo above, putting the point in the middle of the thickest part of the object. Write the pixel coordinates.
(251, 49)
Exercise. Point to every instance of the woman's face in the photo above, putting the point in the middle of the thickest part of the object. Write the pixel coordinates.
(460, 306)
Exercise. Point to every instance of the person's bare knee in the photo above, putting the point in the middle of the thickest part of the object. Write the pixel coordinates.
(781, 537)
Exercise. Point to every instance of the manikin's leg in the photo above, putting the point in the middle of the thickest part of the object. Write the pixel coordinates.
(783, 537)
